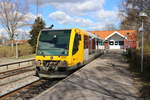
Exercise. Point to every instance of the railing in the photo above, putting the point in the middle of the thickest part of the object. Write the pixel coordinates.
(18, 62)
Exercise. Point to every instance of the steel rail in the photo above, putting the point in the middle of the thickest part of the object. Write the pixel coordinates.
(9, 92)
(18, 62)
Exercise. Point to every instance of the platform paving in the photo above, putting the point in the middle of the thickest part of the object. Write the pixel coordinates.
(105, 78)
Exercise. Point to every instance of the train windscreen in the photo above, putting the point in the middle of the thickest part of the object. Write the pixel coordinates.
(54, 43)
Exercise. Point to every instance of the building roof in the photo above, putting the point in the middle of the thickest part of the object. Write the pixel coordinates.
(131, 34)
(14, 42)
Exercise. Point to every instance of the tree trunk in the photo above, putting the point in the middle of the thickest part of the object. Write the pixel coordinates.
(12, 47)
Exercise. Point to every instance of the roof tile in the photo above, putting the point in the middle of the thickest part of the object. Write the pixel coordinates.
(130, 33)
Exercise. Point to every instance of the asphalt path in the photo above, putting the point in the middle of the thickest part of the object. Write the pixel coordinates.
(105, 78)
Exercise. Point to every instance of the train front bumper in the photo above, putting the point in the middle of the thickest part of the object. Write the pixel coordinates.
(45, 72)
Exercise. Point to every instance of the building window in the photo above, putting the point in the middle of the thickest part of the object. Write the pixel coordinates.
(116, 42)
(86, 42)
(100, 42)
(111, 43)
(121, 42)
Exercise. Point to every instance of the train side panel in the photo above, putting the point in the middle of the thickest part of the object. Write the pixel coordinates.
(76, 50)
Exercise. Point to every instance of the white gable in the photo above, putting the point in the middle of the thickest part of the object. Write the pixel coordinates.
(114, 34)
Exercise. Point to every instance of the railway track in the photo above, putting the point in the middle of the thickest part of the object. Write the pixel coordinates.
(24, 90)
(29, 90)
(14, 72)
(21, 83)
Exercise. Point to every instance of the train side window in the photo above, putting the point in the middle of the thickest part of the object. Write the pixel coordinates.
(76, 43)
(86, 42)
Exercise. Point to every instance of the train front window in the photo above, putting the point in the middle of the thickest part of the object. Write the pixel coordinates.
(54, 43)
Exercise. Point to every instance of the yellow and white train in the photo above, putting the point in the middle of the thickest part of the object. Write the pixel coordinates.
(60, 51)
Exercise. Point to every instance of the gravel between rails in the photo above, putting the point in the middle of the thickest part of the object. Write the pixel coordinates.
(14, 78)
(31, 90)
(4, 89)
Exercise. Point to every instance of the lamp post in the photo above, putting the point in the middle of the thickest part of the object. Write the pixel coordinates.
(142, 15)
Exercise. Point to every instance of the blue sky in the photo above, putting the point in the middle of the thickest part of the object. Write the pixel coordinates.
(84, 14)
(92, 19)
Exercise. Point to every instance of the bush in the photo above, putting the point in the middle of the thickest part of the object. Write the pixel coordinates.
(134, 58)
(23, 49)
(6, 51)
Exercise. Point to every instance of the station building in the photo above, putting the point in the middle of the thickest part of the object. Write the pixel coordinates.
(117, 39)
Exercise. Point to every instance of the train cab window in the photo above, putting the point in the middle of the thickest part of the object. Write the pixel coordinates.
(76, 43)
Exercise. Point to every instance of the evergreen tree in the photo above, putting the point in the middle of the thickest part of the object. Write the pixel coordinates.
(36, 28)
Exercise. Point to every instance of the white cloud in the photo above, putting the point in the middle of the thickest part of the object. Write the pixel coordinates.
(2, 30)
(107, 14)
(83, 22)
(63, 18)
(30, 17)
(15, 14)
(98, 27)
(22, 34)
(103, 18)
(18, 31)
(88, 14)
(80, 7)
(47, 2)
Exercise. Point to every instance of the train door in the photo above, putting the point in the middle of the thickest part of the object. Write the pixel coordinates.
(77, 52)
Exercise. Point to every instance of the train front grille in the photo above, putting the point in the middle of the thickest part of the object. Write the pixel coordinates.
(55, 65)
(50, 63)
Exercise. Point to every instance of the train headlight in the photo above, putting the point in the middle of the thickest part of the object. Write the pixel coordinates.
(62, 64)
(38, 63)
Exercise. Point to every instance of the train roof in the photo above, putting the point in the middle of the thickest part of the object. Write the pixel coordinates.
(90, 34)
(94, 36)
(54, 29)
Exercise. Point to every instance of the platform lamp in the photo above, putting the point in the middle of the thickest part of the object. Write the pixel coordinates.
(143, 15)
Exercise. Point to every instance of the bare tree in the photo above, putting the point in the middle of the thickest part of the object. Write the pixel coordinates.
(130, 11)
(109, 27)
(13, 16)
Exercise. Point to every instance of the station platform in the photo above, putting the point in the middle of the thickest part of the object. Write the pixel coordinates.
(105, 78)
